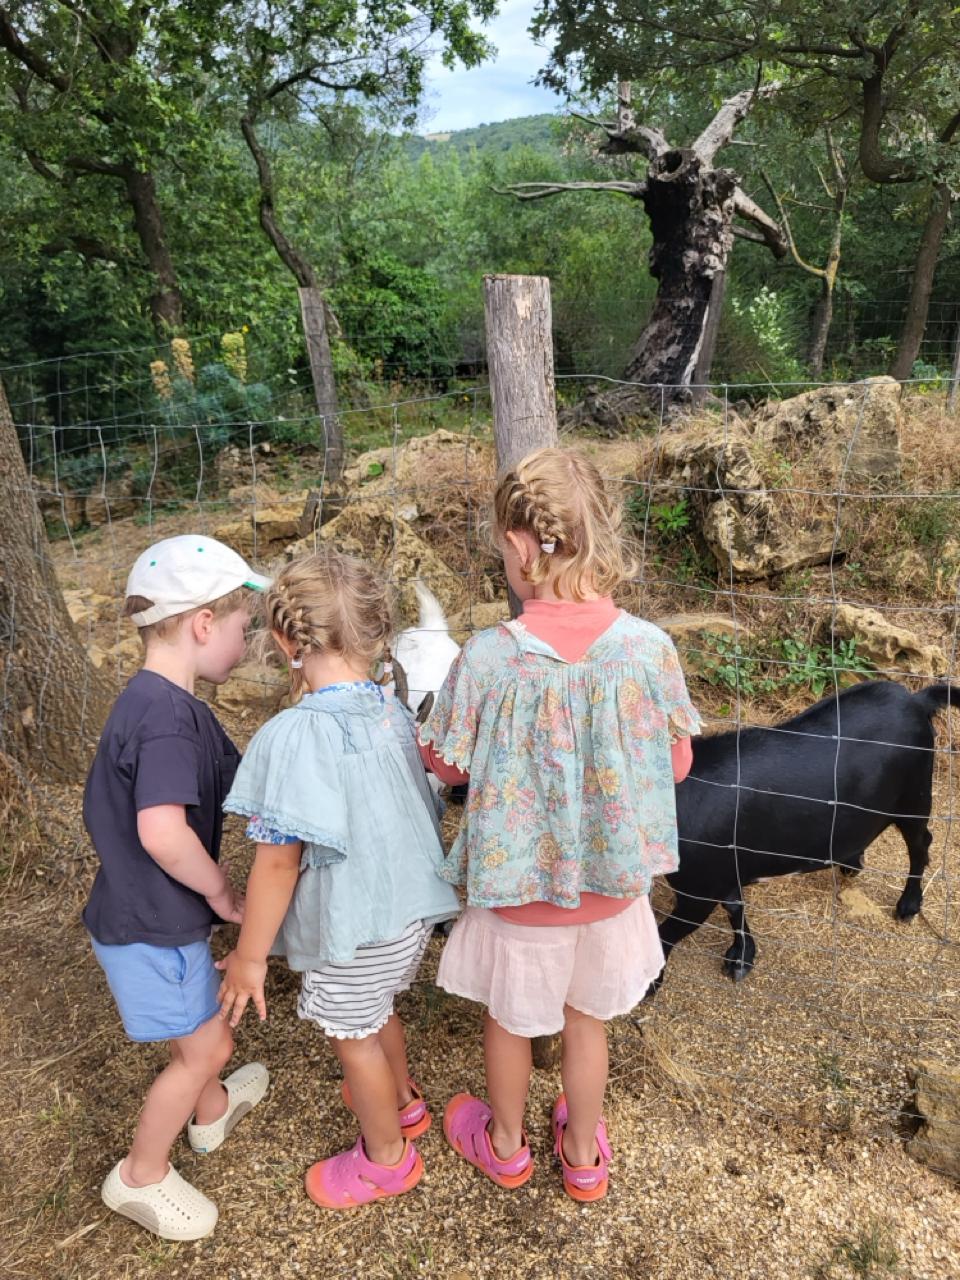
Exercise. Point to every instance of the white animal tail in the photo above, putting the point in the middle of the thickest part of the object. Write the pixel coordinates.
(432, 617)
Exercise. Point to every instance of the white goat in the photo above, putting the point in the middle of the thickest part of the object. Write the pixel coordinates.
(426, 651)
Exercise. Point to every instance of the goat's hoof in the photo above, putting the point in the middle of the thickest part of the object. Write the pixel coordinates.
(907, 909)
(737, 970)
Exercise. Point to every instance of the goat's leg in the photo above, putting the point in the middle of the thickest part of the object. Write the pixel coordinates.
(688, 915)
(917, 837)
(738, 959)
(854, 866)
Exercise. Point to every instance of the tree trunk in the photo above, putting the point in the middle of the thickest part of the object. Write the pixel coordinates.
(701, 375)
(314, 315)
(820, 327)
(54, 701)
(691, 208)
(915, 321)
(166, 303)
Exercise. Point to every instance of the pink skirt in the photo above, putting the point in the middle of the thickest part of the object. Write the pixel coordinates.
(525, 974)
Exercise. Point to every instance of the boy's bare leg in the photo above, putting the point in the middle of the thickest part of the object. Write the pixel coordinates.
(213, 1101)
(195, 1062)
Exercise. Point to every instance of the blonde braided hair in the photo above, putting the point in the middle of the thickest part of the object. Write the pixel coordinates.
(558, 496)
(328, 602)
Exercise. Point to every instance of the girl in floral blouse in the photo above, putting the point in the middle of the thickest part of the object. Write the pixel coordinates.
(573, 723)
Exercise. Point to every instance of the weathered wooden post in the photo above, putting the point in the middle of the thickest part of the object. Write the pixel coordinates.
(520, 362)
(313, 314)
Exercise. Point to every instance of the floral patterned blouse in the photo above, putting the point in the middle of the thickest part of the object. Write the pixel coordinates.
(571, 780)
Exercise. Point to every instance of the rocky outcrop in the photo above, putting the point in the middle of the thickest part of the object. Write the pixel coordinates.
(884, 643)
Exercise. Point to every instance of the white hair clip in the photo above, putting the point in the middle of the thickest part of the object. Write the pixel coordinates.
(548, 547)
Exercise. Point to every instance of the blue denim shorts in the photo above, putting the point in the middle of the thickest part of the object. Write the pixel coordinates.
(163, 993)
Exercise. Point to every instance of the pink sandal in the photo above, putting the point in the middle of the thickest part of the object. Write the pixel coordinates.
(415, 1117)
(352, 1178)
(465, 1125)
(582, 1182)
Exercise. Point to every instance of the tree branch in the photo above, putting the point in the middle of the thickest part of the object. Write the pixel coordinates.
(538, 190)
(90, 248)
(771, 233)
(720, 129)
(806, 266)
(32, 60)
(291, 257)
(641, 139)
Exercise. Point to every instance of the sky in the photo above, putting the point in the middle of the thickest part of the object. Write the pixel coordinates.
(499, 89)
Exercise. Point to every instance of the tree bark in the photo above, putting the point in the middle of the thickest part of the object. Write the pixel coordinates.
(915, 321)
(708, 345)
(166, 303)
(520, 359)
(519, 332)
(691, 210)
(314, 315)
(54, 700)
(820, 327)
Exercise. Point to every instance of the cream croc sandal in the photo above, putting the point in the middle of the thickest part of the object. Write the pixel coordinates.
(171, 1209)
(245, 1087)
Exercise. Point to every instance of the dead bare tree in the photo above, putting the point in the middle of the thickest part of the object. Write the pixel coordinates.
(692, 205)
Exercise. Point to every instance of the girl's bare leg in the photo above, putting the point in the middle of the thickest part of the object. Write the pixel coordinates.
(374, 1095)
(583, 1069)
(508, 1064)
(394, 1045)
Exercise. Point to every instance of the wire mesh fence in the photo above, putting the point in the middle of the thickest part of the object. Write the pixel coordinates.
(793, 551)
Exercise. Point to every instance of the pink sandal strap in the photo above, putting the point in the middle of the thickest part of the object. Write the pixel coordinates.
(582, 1182)
(415, 1117)
(465, 1124)
(351, 1178)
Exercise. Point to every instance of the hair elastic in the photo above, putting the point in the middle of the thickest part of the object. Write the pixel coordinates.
(548, 547)
(296, 662)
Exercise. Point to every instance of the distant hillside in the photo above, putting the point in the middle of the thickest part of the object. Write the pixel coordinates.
(530, 131)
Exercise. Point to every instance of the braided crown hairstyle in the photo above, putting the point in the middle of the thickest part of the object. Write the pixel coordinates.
(328, 602)
(558, 496)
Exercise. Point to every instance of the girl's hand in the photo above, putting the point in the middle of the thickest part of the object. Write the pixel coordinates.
(228, 904)
(242, 982)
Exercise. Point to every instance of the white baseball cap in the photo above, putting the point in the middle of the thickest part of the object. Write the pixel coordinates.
(187, 572)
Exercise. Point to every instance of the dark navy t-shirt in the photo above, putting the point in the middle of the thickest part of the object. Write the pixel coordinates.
(160, 745)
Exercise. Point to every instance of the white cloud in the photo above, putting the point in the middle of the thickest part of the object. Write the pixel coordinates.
(499, 89)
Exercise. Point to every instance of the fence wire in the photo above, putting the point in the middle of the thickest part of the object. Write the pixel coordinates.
(843, 997)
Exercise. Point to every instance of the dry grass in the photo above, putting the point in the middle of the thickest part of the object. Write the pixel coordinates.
(754, 1126)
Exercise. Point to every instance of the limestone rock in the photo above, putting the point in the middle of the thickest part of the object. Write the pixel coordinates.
(266, 531)
(253, 687)
(477, 617)
(854, 430)
(687, 630)
(934, 1112)
(885, 644)
(744, 527)
(429, 471)
(371, 529)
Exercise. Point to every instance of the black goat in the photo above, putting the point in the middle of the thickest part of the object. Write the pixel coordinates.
(810, 793)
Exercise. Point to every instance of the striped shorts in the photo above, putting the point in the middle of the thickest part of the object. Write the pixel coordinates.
(354, 1000)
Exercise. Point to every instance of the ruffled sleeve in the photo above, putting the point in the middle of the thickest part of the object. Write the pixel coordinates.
(682, 718)
(452, 725)
(289, 780)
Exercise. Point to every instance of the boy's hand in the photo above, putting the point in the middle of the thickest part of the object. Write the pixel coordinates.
(242, 981)
(228, 904)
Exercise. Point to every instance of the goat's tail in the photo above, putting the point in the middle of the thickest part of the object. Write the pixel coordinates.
(432, 617)
(937, 697)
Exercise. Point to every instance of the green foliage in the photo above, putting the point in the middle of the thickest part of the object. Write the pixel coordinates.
(761, 340)
(780, 664)
(930, 521)
(670, 519)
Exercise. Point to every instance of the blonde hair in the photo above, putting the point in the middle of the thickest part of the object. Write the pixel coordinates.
(240, 598)
(558, 496)
(328, 602)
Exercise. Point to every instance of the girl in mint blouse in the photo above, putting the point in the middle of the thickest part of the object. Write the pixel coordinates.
(570, 722)
(346, 881)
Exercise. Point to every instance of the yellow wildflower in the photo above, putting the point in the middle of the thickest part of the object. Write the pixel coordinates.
(161, 379)
(235, 355)
(182, 358)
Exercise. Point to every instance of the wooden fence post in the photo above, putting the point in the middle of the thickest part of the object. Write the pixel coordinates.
(520, 362)
(313, 314)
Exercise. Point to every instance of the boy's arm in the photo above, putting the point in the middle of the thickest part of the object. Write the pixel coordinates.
(274, 876)
(173, 844)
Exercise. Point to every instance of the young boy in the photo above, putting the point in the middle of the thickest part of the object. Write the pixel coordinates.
(152, 806)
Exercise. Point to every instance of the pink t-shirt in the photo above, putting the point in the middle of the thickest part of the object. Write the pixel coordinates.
(570, 629)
